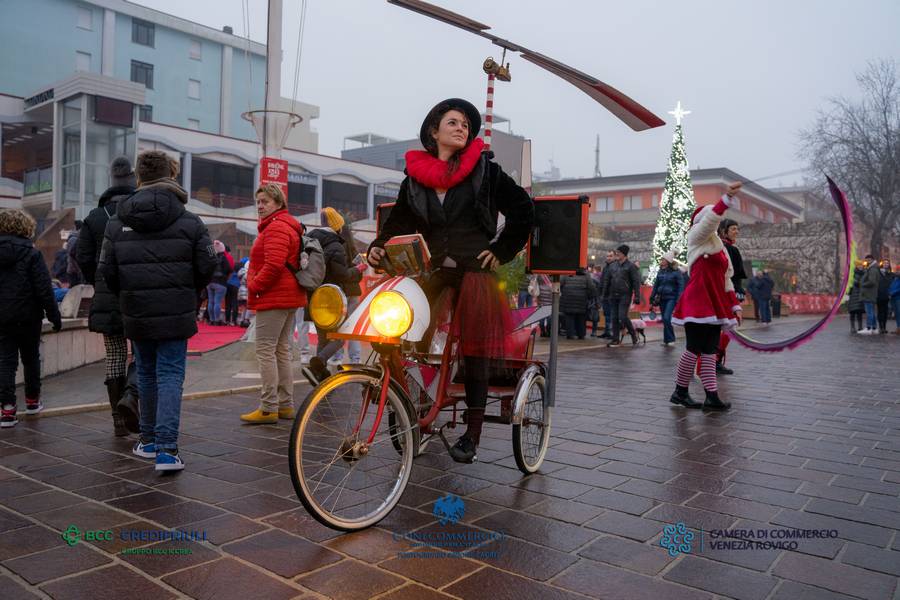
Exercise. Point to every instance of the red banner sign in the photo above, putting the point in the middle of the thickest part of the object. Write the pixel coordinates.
(274, 170)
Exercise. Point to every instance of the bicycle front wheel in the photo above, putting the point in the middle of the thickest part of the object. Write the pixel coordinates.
(344, 481)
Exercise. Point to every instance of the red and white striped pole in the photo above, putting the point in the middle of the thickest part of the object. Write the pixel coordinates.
(489, 112)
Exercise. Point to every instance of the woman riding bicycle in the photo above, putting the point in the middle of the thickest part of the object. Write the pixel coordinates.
(452, 195)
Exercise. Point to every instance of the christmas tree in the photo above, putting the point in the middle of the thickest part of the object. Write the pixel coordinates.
(677, 203)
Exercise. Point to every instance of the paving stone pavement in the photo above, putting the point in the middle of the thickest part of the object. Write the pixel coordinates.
(811, 443)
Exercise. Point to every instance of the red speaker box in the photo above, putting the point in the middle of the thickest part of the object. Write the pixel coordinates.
(558, 243)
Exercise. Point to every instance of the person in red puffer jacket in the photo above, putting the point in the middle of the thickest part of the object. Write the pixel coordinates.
(275, 295)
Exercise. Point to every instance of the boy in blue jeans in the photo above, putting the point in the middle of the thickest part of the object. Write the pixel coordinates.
(155, 257)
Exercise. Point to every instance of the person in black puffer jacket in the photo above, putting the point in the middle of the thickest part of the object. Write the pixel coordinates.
(155, 256)
(105, 316)
(577, 291)
(25, 296)
(340, 271)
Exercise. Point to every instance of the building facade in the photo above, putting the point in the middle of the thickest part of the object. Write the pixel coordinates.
(108, 77)
(631, 202)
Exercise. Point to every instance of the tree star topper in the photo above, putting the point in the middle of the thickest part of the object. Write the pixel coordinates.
(679, 113)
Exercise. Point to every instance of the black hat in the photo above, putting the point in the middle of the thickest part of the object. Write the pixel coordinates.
(121, 173)
(623, 249)
(472, 114)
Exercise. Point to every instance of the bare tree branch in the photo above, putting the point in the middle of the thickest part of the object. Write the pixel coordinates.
(857, 142)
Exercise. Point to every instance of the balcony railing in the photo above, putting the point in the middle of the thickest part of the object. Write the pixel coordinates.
(38, 181)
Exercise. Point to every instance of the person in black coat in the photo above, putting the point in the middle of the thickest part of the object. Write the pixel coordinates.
(26, 295)
(621, 282)
(760, 288)
(728, 231)
(155, 256)
(105, 316)
(452, 195)
(577, 293)
(883, 297)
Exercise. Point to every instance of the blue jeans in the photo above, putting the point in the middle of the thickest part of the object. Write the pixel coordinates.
(667, 307)
(871, 320)
(160, 368)
(215, 292)
(895, 302)
(524, 299)
(765, 311)
(607, 316)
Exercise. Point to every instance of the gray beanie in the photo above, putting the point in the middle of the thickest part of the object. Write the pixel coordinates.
(121, 173)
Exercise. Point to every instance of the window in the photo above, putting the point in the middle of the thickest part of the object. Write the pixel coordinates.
(770, 217)
(196, 51)
(194, 124)
(349, 199)
(146, 113)
(631, 203)
(654, 200)
(142, 72)
(193, 89)
(603, 204)
(82, 61)
(142, 32)
(223, 185)
(85, 18)
(736, 203)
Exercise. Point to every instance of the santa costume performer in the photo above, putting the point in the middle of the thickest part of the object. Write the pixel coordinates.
(452, 195)
(707, 305)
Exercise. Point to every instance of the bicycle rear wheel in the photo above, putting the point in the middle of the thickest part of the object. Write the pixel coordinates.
(343, 481)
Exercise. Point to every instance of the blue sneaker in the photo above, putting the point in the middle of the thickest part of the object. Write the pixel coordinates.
(168, 460)
(144, 449)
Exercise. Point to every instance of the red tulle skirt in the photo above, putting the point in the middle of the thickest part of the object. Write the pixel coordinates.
(483, 319)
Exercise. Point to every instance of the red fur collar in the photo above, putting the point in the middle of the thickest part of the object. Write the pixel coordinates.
(432, 172)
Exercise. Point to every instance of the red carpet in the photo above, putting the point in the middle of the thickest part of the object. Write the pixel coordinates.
(210, 337)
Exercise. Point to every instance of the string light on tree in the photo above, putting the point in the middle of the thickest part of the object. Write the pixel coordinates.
(677, 203)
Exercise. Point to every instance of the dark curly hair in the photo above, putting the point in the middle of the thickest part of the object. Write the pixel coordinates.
(433, 123)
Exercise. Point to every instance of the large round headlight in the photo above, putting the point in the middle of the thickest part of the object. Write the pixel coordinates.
(328, 307)
(390, 314)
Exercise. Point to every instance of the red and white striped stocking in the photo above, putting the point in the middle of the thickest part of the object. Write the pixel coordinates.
(685, 368)
(708, 372)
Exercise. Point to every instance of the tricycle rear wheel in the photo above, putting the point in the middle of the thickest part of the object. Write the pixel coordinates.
(531, 437)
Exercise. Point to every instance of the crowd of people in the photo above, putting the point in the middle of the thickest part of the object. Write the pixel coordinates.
(151, 261)
(875, 293)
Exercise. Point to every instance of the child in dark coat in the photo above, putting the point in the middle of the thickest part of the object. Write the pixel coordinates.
(26, 294)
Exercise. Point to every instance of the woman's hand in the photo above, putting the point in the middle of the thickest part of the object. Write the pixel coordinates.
(488, 260)
(375, 255)
(733, 188)
(740, 319)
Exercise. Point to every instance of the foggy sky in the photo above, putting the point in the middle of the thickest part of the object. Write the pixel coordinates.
(753, 72)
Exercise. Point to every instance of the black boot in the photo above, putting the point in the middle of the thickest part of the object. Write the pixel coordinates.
(682, 397)
(114, 389)
(713, 402)
(463, 451)
(721, 369)
(128, 407)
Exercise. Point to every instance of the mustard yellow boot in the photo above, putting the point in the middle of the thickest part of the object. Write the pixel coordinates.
(285, 412)
(260, 417)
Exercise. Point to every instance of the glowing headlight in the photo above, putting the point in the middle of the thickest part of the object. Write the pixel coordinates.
(328, 307)
(390, 314)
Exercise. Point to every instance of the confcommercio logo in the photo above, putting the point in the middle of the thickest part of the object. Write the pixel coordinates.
(72, 535)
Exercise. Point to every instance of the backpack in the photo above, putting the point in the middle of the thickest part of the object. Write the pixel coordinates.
(311, 273)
